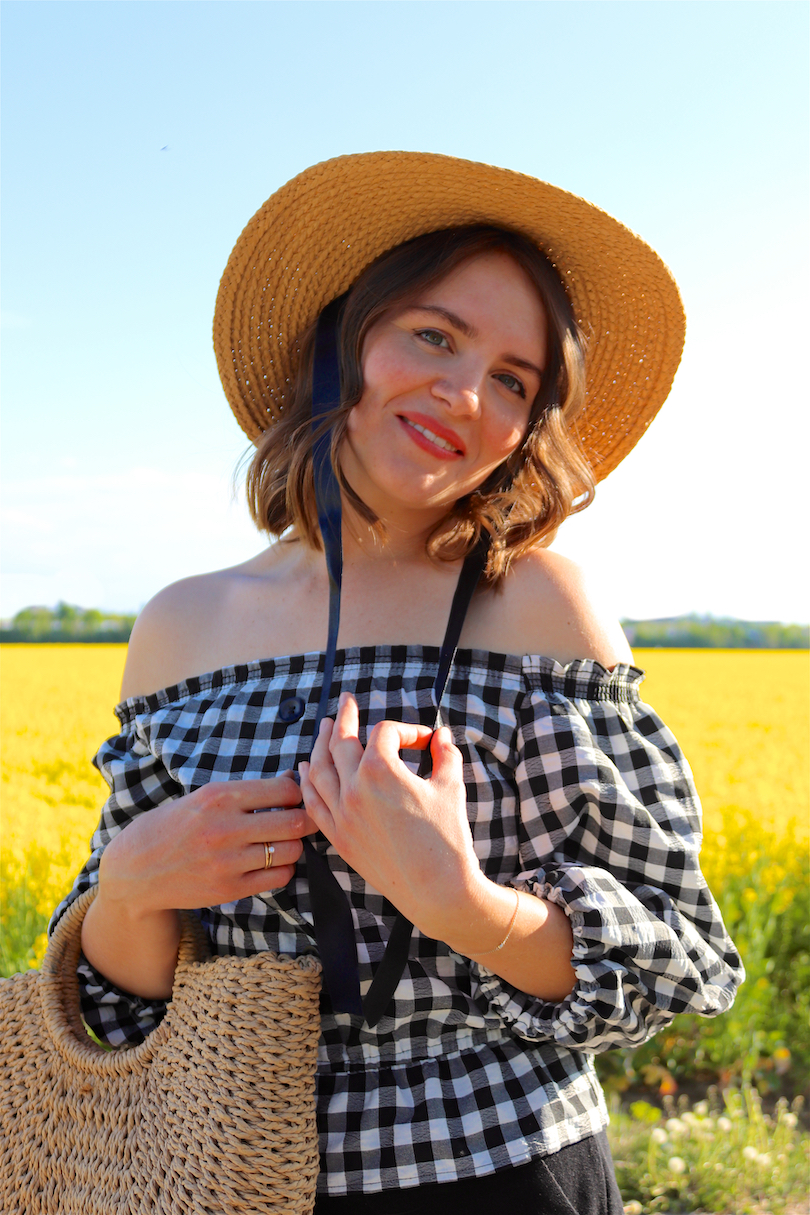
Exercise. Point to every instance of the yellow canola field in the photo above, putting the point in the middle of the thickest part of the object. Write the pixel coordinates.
(741, 716)
(55, 709)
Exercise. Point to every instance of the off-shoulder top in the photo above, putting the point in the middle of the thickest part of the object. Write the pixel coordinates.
(576, 792)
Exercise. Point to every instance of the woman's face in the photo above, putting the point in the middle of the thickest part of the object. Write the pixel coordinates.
(449, 381)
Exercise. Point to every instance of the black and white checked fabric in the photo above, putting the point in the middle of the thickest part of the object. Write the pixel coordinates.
(576, 791)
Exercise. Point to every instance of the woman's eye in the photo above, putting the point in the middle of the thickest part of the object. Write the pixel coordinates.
(432, 336)
(513, 384)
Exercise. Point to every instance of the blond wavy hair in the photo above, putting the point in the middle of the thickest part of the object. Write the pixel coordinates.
(523, 502)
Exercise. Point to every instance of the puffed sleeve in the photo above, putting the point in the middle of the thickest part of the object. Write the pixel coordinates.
(610, 827)
(138, 782)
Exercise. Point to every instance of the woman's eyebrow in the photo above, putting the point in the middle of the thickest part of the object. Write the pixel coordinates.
(456, 321)
(517, 361)
(471, 332)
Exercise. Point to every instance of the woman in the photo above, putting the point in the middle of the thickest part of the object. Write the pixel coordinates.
(486, 347)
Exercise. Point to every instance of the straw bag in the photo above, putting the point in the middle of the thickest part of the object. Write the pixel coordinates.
(213, 1112)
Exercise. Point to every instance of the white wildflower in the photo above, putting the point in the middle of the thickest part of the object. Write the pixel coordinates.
(676, 1127)
(689, 1118)
(702, 1109)
(750, 1153)
(633, 1208)
(658, 1135)
(790, 1120)
(724, 1125)
(676, 1164)
(764, 1160)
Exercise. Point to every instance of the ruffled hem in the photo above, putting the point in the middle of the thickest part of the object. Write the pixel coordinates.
(481, 1110)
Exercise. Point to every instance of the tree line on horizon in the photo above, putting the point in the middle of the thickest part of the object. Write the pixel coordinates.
(66, 622)
(707, 632)
(69, 623)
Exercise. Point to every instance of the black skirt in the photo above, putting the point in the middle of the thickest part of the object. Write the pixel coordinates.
(577, 1180)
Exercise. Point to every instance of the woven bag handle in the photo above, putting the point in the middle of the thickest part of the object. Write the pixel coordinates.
(58, 990)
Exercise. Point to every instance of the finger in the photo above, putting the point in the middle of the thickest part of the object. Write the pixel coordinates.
(321, 770)
(247, 795)
(278, 854)
(316, 808)
(275, 825)
(268, 793)
(388, 738)
(448, 763)
(344, 742)
(263, 881)
(310, 826)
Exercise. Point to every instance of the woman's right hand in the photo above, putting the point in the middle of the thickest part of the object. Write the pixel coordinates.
(207, 848)
(201, 850)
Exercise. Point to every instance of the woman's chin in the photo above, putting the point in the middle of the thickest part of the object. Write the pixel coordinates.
(397, 488)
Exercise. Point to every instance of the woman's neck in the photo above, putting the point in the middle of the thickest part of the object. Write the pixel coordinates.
(392, 542)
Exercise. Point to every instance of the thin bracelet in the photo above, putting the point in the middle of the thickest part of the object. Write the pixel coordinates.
(483, 953)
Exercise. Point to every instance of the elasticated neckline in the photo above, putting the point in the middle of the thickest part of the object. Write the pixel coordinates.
(583, 678)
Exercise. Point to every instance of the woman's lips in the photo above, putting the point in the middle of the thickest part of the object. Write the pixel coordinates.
(439, 441)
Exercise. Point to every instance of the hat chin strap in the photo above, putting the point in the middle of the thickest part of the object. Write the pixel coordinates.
(334, 927)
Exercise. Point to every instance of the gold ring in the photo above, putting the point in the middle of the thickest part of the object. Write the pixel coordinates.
(268, 855)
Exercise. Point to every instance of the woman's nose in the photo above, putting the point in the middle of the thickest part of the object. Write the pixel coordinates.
(461, 393)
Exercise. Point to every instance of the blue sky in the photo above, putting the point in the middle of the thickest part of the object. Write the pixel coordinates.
(140, 136)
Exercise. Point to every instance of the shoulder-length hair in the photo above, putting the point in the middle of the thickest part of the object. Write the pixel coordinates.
(524, 501)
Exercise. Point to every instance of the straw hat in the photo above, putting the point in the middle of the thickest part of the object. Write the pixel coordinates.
(314, 236)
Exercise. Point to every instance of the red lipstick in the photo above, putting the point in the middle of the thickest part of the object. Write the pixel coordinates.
(436, 428)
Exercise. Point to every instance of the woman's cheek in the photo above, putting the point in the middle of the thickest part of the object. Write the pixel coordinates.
(389, 366)
(508, 438)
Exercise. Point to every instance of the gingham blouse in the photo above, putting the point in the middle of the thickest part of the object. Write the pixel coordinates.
(576, 792)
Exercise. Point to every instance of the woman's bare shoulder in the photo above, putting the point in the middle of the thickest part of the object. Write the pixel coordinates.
(170, 632)
(185, 629)
(550, 607)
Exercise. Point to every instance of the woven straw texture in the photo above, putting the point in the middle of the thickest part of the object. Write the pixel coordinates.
(314, 236)
(213, 1112)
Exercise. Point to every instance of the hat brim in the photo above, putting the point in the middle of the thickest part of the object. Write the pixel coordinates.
(313, 237)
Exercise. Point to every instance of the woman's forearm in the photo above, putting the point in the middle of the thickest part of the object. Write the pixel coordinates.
(534, 955)
(136, 952)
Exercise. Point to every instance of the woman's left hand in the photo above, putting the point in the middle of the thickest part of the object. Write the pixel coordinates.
(408, 837)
